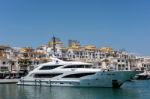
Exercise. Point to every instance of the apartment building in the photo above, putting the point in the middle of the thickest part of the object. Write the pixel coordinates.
(26, 58)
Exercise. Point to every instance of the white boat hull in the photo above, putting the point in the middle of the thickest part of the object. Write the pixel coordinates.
(100, 79)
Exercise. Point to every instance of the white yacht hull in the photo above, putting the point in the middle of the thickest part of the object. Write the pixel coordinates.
(100, 79)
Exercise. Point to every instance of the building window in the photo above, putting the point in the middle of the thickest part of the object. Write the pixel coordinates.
(123, 65)
(4, 63)
(4, 68)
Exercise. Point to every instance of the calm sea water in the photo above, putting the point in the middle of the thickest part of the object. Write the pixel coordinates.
(130, 90)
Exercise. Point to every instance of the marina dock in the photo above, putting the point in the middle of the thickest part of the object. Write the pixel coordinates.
(8, 81)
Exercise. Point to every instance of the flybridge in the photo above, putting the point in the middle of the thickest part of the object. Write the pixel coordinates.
(57, 61)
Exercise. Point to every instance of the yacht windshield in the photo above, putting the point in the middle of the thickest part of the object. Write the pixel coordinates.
(49, 67)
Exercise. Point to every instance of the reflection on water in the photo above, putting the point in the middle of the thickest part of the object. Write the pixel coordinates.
(131, 90)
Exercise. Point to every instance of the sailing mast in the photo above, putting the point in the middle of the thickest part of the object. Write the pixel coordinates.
(54, 45)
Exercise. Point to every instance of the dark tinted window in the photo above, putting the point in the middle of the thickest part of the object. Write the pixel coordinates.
(46, 75)
(78, 66)
(78, 75)
(47, 67)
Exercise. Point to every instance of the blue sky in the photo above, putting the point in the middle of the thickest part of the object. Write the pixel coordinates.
(121, 24)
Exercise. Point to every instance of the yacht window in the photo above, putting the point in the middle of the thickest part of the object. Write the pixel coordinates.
(46, 75)
(78, 66)
(78, 75)
(48, 67)
(4, 63)
(4, 69)
(88, 66)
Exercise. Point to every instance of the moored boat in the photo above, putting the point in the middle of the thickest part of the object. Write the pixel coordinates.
(143, 76)
(75, 74)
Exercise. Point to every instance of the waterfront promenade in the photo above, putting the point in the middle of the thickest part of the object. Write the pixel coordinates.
(8, 81)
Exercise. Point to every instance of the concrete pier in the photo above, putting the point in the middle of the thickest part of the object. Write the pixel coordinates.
(8, 81)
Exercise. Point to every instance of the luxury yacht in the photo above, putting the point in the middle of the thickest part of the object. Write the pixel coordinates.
(75, 74)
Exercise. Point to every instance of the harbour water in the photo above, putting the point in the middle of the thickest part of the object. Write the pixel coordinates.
(130, 90)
